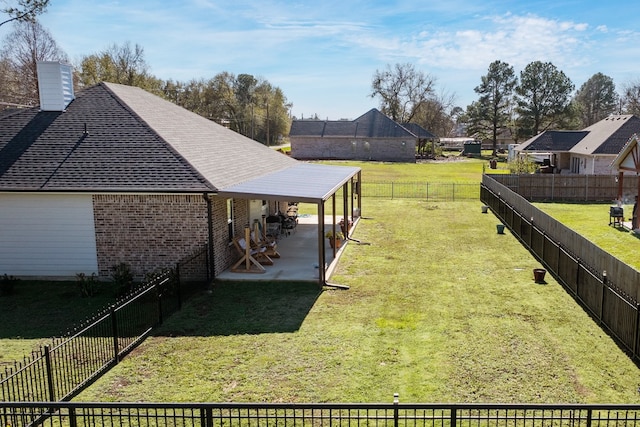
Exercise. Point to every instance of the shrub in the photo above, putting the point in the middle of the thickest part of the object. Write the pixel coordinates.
(170, 287)
(521, 165)
(88, 285)
(7, 285)
(122, 277)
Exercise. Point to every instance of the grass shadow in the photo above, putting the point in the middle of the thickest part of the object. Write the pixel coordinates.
(43, 309)
(235, 308)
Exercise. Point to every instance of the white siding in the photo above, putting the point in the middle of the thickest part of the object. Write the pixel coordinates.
(47, 235)
(55, 85)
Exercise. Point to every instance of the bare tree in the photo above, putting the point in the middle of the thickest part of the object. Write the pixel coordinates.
(123, 64)
(29, 43)
(23, 10)
(631, 98)
(436, 114)
(402, 90)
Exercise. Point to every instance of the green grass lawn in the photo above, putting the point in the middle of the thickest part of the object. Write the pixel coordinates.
(456, 169)
(441, 308)
(592, 222)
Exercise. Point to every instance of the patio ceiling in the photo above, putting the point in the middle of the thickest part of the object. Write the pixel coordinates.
(303, 182)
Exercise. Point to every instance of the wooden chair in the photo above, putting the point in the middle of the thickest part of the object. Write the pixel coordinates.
(259, 241)
(251, 260)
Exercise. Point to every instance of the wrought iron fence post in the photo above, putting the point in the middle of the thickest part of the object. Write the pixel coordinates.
(579, 263)
(114, 328)
(453, 416)
(637, 332)
(396, 401)
(47, 359)
(178, 286)
(604, 290)
(206, 417)
(159, 297)
(73, 422)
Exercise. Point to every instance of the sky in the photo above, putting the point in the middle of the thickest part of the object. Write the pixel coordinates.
(324, 53)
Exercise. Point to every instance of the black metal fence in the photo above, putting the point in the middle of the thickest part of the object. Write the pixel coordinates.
(434, 191)
(617, 312)
(60, 370)
(62, 414)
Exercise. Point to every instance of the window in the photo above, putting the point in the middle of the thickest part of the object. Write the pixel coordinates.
(230, 218)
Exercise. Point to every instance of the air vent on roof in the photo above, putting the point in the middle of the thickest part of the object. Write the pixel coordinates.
(55, 85)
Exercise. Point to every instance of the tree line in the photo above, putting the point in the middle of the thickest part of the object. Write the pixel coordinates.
(542, 97)
(249, 105)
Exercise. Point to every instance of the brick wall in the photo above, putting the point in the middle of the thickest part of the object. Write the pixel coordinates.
(225, 253)
(148, 231)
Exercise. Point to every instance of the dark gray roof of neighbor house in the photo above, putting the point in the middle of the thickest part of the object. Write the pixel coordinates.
(608, 136)
(372, 124)
(554, 140)
(419, 131)
(121, 138)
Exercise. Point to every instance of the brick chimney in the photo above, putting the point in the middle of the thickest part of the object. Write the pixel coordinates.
(55, 85)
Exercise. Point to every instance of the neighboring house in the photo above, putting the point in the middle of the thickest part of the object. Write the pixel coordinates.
(554, 145)
(589, 151)
(372, 136)
(117, 174)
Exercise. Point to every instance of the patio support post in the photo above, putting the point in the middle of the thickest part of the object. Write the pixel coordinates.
(359, 191)
(321, 258)
(637, 214)
(620, 178)
(333, 221)
(345, 208)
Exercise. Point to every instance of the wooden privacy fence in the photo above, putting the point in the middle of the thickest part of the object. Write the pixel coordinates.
(604, 285)
(546, 187)
(66, 414)
(63, 368)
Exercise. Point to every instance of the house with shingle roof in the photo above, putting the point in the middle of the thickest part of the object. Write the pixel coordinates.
(116, 174)
(589, 151)
(372, 136)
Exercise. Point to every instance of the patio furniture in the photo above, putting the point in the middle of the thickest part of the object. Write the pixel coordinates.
(251, 260)
(616, 216)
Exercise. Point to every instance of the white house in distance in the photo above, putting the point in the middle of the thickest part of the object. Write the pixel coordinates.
(589, 151)
(115, 174)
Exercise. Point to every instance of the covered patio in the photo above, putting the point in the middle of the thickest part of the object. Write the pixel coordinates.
(305, 254)
(299, 256)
